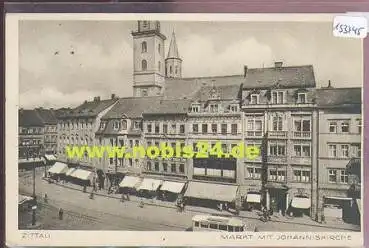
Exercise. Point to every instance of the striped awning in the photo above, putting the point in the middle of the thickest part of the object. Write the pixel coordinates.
(58, 168)
(130, 182)
(211, 191)
(82, 174)
(170, 186)
(150, 184)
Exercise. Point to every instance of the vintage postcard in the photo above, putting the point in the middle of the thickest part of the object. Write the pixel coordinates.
(182, 129)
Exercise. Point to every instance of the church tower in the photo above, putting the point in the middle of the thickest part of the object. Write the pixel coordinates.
(148, 59)
(173, 63)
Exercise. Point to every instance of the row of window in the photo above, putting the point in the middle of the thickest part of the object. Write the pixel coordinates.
(343, 126)
(25, 142)
(299, 175)
(165, 167)
(144, 47)
(31, 130)
(75, 125)
(164, 128)
(214, 108)
(344, 150)
(278, 97)
(121, 125)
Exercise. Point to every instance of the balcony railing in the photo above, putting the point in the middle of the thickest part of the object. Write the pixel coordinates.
(277, 134)
(302, 134)
(254, 133)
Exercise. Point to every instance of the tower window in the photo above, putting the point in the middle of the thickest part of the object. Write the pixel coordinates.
(144, 65)
(176, 69)
(170, 70)
(159, 48)
(145, 24)
(159, 66)
(144, 47)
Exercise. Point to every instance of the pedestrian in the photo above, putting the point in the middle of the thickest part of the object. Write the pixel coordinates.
(256, 229)
(45, 198)
(84, 189)
(127, 196)
(61, 213)
(92, 195)
(122, 198)
(141, 204)
(220, 207)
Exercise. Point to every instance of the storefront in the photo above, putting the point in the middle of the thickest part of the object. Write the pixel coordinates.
(300, 205)
(277, 197)
(149, 187)
(210, 194)
(338, 208)
(253, 200)
(58, 170)
(129, 184)
(170, 190)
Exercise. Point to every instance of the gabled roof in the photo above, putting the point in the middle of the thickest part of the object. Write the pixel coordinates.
(132, 107)
(48, 116)
(338, 97)
(29, 118)
(89, 109)
(182, 88)
(226, 92)
(284, 77)
(179, 106)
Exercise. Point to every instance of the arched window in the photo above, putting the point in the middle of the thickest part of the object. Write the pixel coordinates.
(176, 69)
(144, 65)
(124, 124)
(159, 66)
(170, 69)
(159, 48)
(144, 47)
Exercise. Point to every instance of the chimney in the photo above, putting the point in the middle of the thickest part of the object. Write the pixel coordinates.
(329, 84)
(85, 101)
(244, 71)
(97, 99)
(278, 64)
(112, 96)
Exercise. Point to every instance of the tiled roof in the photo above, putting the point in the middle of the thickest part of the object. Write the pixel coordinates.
(89, 109)
(182, 88)
(285, 77)
(330, 97)
(256, 78)
(47, 115)
(179, 106)
(29, 118)
(132, 107)
(225, 92)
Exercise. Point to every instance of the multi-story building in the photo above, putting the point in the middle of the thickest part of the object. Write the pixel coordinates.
(339, 146)
(30, 139)
(49, 120)
(77, 127)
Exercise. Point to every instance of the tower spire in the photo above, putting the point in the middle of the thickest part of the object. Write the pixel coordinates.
(173, 63)
(173, 49)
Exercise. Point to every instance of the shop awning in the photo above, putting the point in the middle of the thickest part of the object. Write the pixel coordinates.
(211, 191)
(23, 198)
(302, 203)
(58, 168)
(174, 187)
(358, 203)
(70, 171)
(82, 174)
(129, 182)
(150, 184)
(253, 198)
(338, 198)
(50, 157)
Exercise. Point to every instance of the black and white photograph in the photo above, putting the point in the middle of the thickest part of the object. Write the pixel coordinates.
(230, 127)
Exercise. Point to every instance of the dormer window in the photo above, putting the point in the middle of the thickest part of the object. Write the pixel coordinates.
(278, 97)
(213, 107)
(116, 125)
(102, 125)
(254, 99)
(124, 124)
(137, 125)
(214, 94)
(301, 97)
(195, 108)
(234, 108)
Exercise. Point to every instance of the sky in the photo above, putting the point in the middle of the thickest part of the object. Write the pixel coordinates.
(64, 63)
